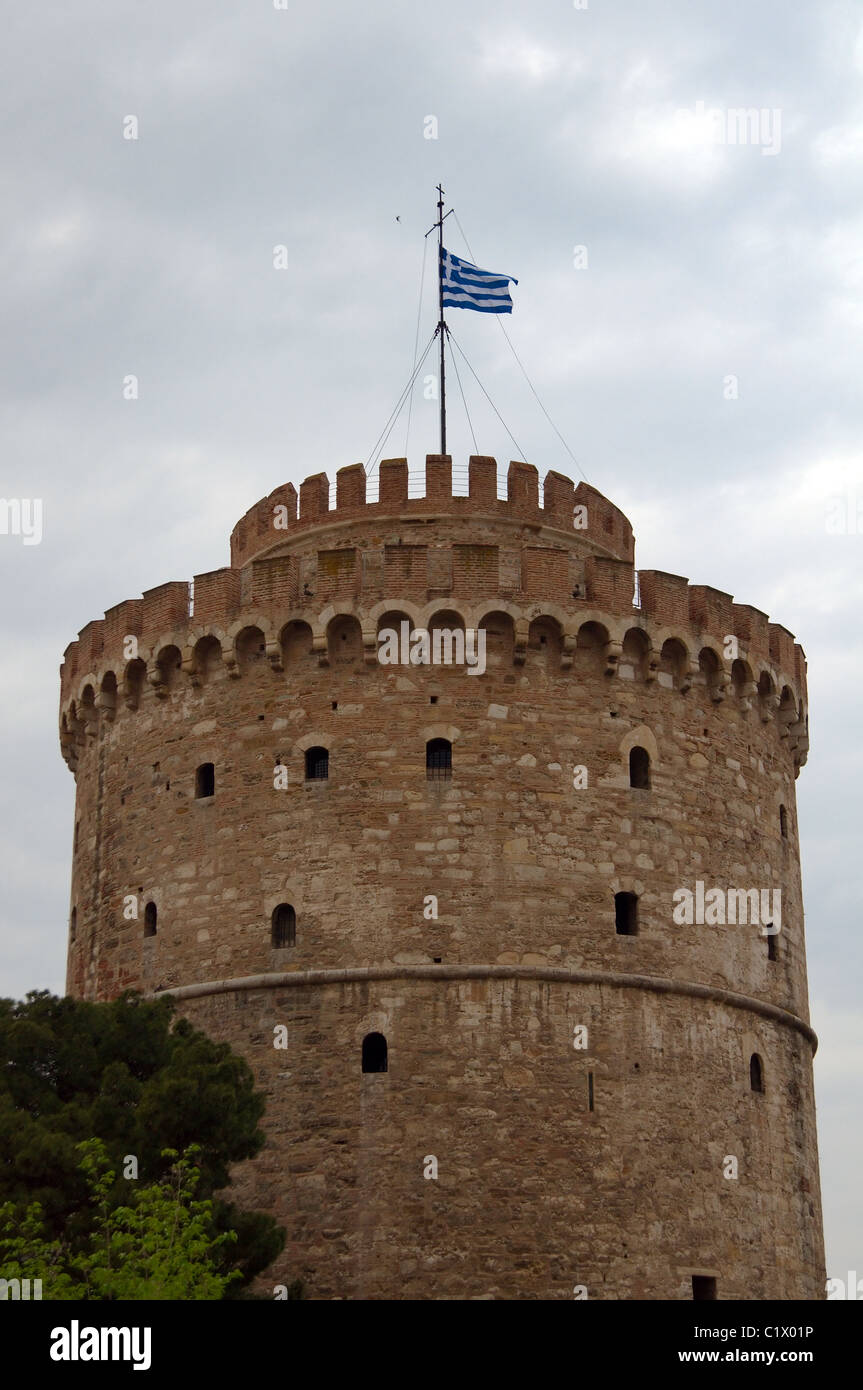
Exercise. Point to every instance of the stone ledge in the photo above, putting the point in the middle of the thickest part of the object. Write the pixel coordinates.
(655, 984)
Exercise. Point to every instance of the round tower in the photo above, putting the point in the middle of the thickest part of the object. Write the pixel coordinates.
(482, 849)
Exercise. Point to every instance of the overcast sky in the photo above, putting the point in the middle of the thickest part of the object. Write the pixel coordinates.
(556, 128)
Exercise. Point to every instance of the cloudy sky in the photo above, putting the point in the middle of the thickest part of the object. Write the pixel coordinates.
(701, 354)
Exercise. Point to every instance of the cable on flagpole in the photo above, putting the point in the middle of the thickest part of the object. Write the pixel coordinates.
(521, 452)
(521, 365)
(416, 340)
(464, 403)
(388, 427)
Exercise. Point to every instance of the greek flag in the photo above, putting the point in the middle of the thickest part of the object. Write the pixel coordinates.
(465, 286)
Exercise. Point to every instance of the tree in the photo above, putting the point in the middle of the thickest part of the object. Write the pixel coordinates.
(144, 1082)
(163, 1245)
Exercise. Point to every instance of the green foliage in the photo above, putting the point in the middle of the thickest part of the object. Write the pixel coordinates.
(163, 1245)
(145, 1083)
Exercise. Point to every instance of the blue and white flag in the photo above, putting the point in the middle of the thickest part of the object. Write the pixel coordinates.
(465, 286)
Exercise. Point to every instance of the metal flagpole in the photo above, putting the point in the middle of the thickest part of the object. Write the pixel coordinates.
(441, 328)
(441, 324)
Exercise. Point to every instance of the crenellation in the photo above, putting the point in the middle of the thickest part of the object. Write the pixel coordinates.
(314, 498)
(522, 489)
(166, 606)
(751, 627)
(559, 499)
(610, 583)
(350, 489)
(781, 647)
(710, 609)
(438, 488)
(482, 481)
(274, 582)
(125, 619)
(393, 487)
(664, 597)
(91, 644)
(216, 595)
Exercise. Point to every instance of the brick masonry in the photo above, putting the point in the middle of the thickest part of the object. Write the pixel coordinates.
(536, 1192)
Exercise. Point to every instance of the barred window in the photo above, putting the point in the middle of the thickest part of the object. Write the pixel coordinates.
(317, 764)
(438, 759)
(284, 926)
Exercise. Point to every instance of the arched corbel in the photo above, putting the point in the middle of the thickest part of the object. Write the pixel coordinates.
(613, 653)
(106, 706)
(157, 680)
(521, 631)
(189, 665)
(688, 676)
(370, 645)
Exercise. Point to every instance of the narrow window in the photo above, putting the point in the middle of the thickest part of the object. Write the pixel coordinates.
(756, 1073)
(150, 916)
(374, 1052)
(590, 1090)
(75, 841)
(284, 925)
(703, 1287)
(317, 764)
(639, 768)
(438, 760)
(626, 914)
(205, 781)
(73, 923)
(772, 939)
(783, 822)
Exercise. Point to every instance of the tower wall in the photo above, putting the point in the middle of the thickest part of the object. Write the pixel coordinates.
(536, 1191)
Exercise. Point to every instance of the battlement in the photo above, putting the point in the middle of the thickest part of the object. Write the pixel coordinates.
(283, 513)
(556, 566)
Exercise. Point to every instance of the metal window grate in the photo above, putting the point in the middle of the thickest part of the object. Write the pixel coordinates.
(438, 760)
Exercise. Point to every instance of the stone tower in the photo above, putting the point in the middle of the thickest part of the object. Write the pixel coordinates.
(514, 1069)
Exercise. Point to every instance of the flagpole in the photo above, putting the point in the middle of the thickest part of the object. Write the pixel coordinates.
(441, 323)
